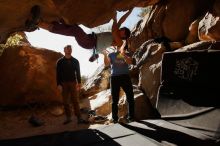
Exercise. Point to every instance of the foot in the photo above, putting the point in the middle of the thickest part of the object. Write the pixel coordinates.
(67, 121)
(93, 57)
(113, 121)
(35, 121)
(100, 119)
(32, 23)
(129, 120)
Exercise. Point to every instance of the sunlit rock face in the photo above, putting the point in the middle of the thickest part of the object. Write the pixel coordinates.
(99, 81)
(140, 33)
(13, 13)
(209, 26)
(149, 78)
(101, 104)
(171, 19)
(28, 76)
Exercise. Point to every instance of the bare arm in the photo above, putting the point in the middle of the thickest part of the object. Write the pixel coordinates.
(106, 59)
(115, 32)
(124, 17)
(128, 59)
(115, 28)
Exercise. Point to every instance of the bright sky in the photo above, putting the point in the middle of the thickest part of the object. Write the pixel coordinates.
(44, 39)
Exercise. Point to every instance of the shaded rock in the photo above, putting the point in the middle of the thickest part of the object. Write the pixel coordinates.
(150, 71)
(171, 19)
(149, 79)
(35, 121)
(202, 45)
(14, 13)
(28, 76)
(140, 33)
(99, 13)
(192, 37)
(183, 17)
(57, 110)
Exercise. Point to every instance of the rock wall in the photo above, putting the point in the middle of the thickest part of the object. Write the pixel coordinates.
(28, 76)
(183, 23)
(209, 26)
(90, 13)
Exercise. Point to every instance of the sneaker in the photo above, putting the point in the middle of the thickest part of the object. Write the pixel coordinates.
(32, 24)
(129, 120)
(35, 121)
(113, 121)
(67, 121)
(93, 57)
(82, 121)
(100, 119)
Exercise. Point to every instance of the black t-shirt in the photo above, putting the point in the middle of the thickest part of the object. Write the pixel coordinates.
(68, 70)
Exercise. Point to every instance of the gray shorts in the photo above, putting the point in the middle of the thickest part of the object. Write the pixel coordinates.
(104, 40)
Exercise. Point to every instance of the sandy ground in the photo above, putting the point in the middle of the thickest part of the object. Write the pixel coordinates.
(14, 123)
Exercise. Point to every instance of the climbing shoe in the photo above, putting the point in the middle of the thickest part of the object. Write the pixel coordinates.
(35, 121)
(93, 57)
(31, 24)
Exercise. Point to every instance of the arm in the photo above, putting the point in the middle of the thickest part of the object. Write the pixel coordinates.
(116, 26)
(78, 74)
(106, 60)
(128, 59)
(58, 74)
(115, 32)
(124, 17)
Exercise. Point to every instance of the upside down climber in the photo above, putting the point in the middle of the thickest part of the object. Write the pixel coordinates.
(98, 42)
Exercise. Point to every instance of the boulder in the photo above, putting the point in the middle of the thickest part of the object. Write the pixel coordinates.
(172, 18)
(149, 78)
(209, 28)
(99, 81)
(28, 75)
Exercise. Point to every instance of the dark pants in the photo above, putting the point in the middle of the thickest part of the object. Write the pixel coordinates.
(70, 97)
(123, 81)
(87, 41)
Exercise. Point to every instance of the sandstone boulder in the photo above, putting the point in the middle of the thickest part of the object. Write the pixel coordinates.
(28, 76)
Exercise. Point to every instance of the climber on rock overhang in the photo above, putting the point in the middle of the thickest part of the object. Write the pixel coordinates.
(98, 42)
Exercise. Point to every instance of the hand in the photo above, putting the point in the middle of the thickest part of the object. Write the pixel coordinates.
(115, 16)
(122, 49)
